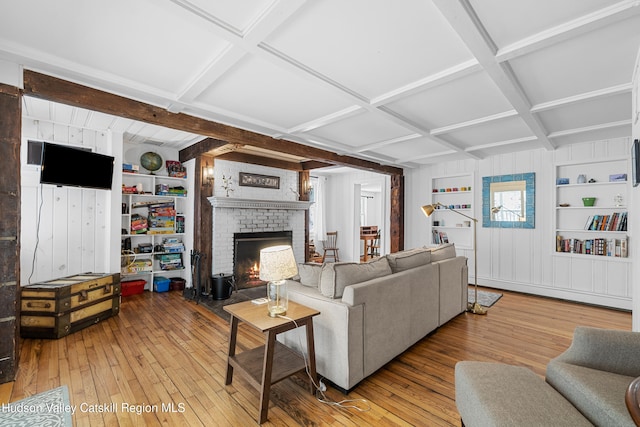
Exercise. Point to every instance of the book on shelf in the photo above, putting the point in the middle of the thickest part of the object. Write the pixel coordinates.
(599, 246)
(440, 237)
(617, 221)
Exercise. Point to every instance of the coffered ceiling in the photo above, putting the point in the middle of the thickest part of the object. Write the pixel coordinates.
(401, 83)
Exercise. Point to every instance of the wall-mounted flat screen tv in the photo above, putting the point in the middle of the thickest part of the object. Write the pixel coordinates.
(63, 165)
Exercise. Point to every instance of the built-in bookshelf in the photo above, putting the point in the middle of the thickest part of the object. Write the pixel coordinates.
(153, 227)
(454, 192)
(591, 216)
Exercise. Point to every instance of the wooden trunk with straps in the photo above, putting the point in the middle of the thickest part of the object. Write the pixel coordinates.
(56, 308)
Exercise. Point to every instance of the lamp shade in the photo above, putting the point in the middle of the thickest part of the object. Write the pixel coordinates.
(277, 263)
(428, 209)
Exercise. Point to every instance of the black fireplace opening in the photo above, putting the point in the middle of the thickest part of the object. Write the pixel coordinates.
(246, 254)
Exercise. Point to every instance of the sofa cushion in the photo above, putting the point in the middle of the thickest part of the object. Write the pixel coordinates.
(309, 274)
(336, 276)
(405, 260)
(446, 251)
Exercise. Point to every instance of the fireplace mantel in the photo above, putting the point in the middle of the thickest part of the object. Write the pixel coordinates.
(234, 203)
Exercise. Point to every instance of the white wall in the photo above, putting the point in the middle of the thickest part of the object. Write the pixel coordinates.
(343, 205)
(66, 230)
(78, 230)
(634, 244)
(521, 259)
(288, 182)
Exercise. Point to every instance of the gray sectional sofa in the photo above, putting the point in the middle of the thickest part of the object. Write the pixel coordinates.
(585, 385)
(371, 312)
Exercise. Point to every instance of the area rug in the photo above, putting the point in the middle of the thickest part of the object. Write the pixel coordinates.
(216, 306)
(485, 298)
(50, 408)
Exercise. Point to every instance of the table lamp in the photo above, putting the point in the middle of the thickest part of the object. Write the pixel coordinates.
(474, 307)
(277, 263)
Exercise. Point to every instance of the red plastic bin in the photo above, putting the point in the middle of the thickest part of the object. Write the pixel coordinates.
(132, 287)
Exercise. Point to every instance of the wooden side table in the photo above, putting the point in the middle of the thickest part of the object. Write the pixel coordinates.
(268, 364)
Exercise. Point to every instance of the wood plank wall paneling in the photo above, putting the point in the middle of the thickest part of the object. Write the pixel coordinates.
(72, 223)
(163, 349)
(10, 138)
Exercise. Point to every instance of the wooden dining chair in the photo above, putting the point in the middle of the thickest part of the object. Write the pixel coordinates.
(375, 245)
(330, 246)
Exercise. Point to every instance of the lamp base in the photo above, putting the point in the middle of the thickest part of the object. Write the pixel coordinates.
(476, 308)
(277, 311)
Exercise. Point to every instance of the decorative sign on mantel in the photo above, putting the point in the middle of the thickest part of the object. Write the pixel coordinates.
(257, 180)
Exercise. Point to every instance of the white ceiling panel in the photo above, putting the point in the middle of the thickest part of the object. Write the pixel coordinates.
(490, 133)
(407, 150)
(236, 15)
(506, 149)
(606, 110)
(152, 43)
(595, 134)
(470, 97)
(529, 17)
(361, 129)
(598, 60)
(371, 47)
(399, 83)
(257, 88)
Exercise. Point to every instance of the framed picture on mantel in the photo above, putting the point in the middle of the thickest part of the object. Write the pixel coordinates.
(257, 180)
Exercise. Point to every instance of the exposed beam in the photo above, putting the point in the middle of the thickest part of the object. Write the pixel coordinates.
(475, 122)
(587, 23)
(503, 143)
(314, 164)
(450, 74)
(236, 156)
(465, 22)
(204, 146)
(590, 128)
(53, 89)
(587, 96)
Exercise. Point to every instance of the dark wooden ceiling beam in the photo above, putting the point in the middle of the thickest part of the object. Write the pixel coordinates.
(203, 147)
(54, 89)
(314, 164)
(235, 156)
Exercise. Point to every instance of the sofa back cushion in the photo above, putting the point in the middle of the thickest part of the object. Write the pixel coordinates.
(445, 251)
(405, 260)
(309, 274)
(336, 276)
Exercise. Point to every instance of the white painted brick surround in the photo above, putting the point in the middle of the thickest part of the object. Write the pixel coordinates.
(231, 215)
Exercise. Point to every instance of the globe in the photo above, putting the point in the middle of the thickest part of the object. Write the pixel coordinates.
(151, 161)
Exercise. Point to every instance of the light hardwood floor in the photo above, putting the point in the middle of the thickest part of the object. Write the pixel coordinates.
(162, 349)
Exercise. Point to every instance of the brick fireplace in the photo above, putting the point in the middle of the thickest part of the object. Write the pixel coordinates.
(246, 254)
(233, 215)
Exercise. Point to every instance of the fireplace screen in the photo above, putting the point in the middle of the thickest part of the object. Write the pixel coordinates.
(246, 254)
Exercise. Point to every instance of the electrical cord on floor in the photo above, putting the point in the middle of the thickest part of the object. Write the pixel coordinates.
(361, 405)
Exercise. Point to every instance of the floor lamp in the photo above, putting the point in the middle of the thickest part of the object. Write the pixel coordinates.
(474, 307)
(496, 209)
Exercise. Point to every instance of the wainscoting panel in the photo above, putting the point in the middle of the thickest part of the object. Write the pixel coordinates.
(525, 260)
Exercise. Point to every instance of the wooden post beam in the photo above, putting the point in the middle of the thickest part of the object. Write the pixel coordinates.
(54, 89)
